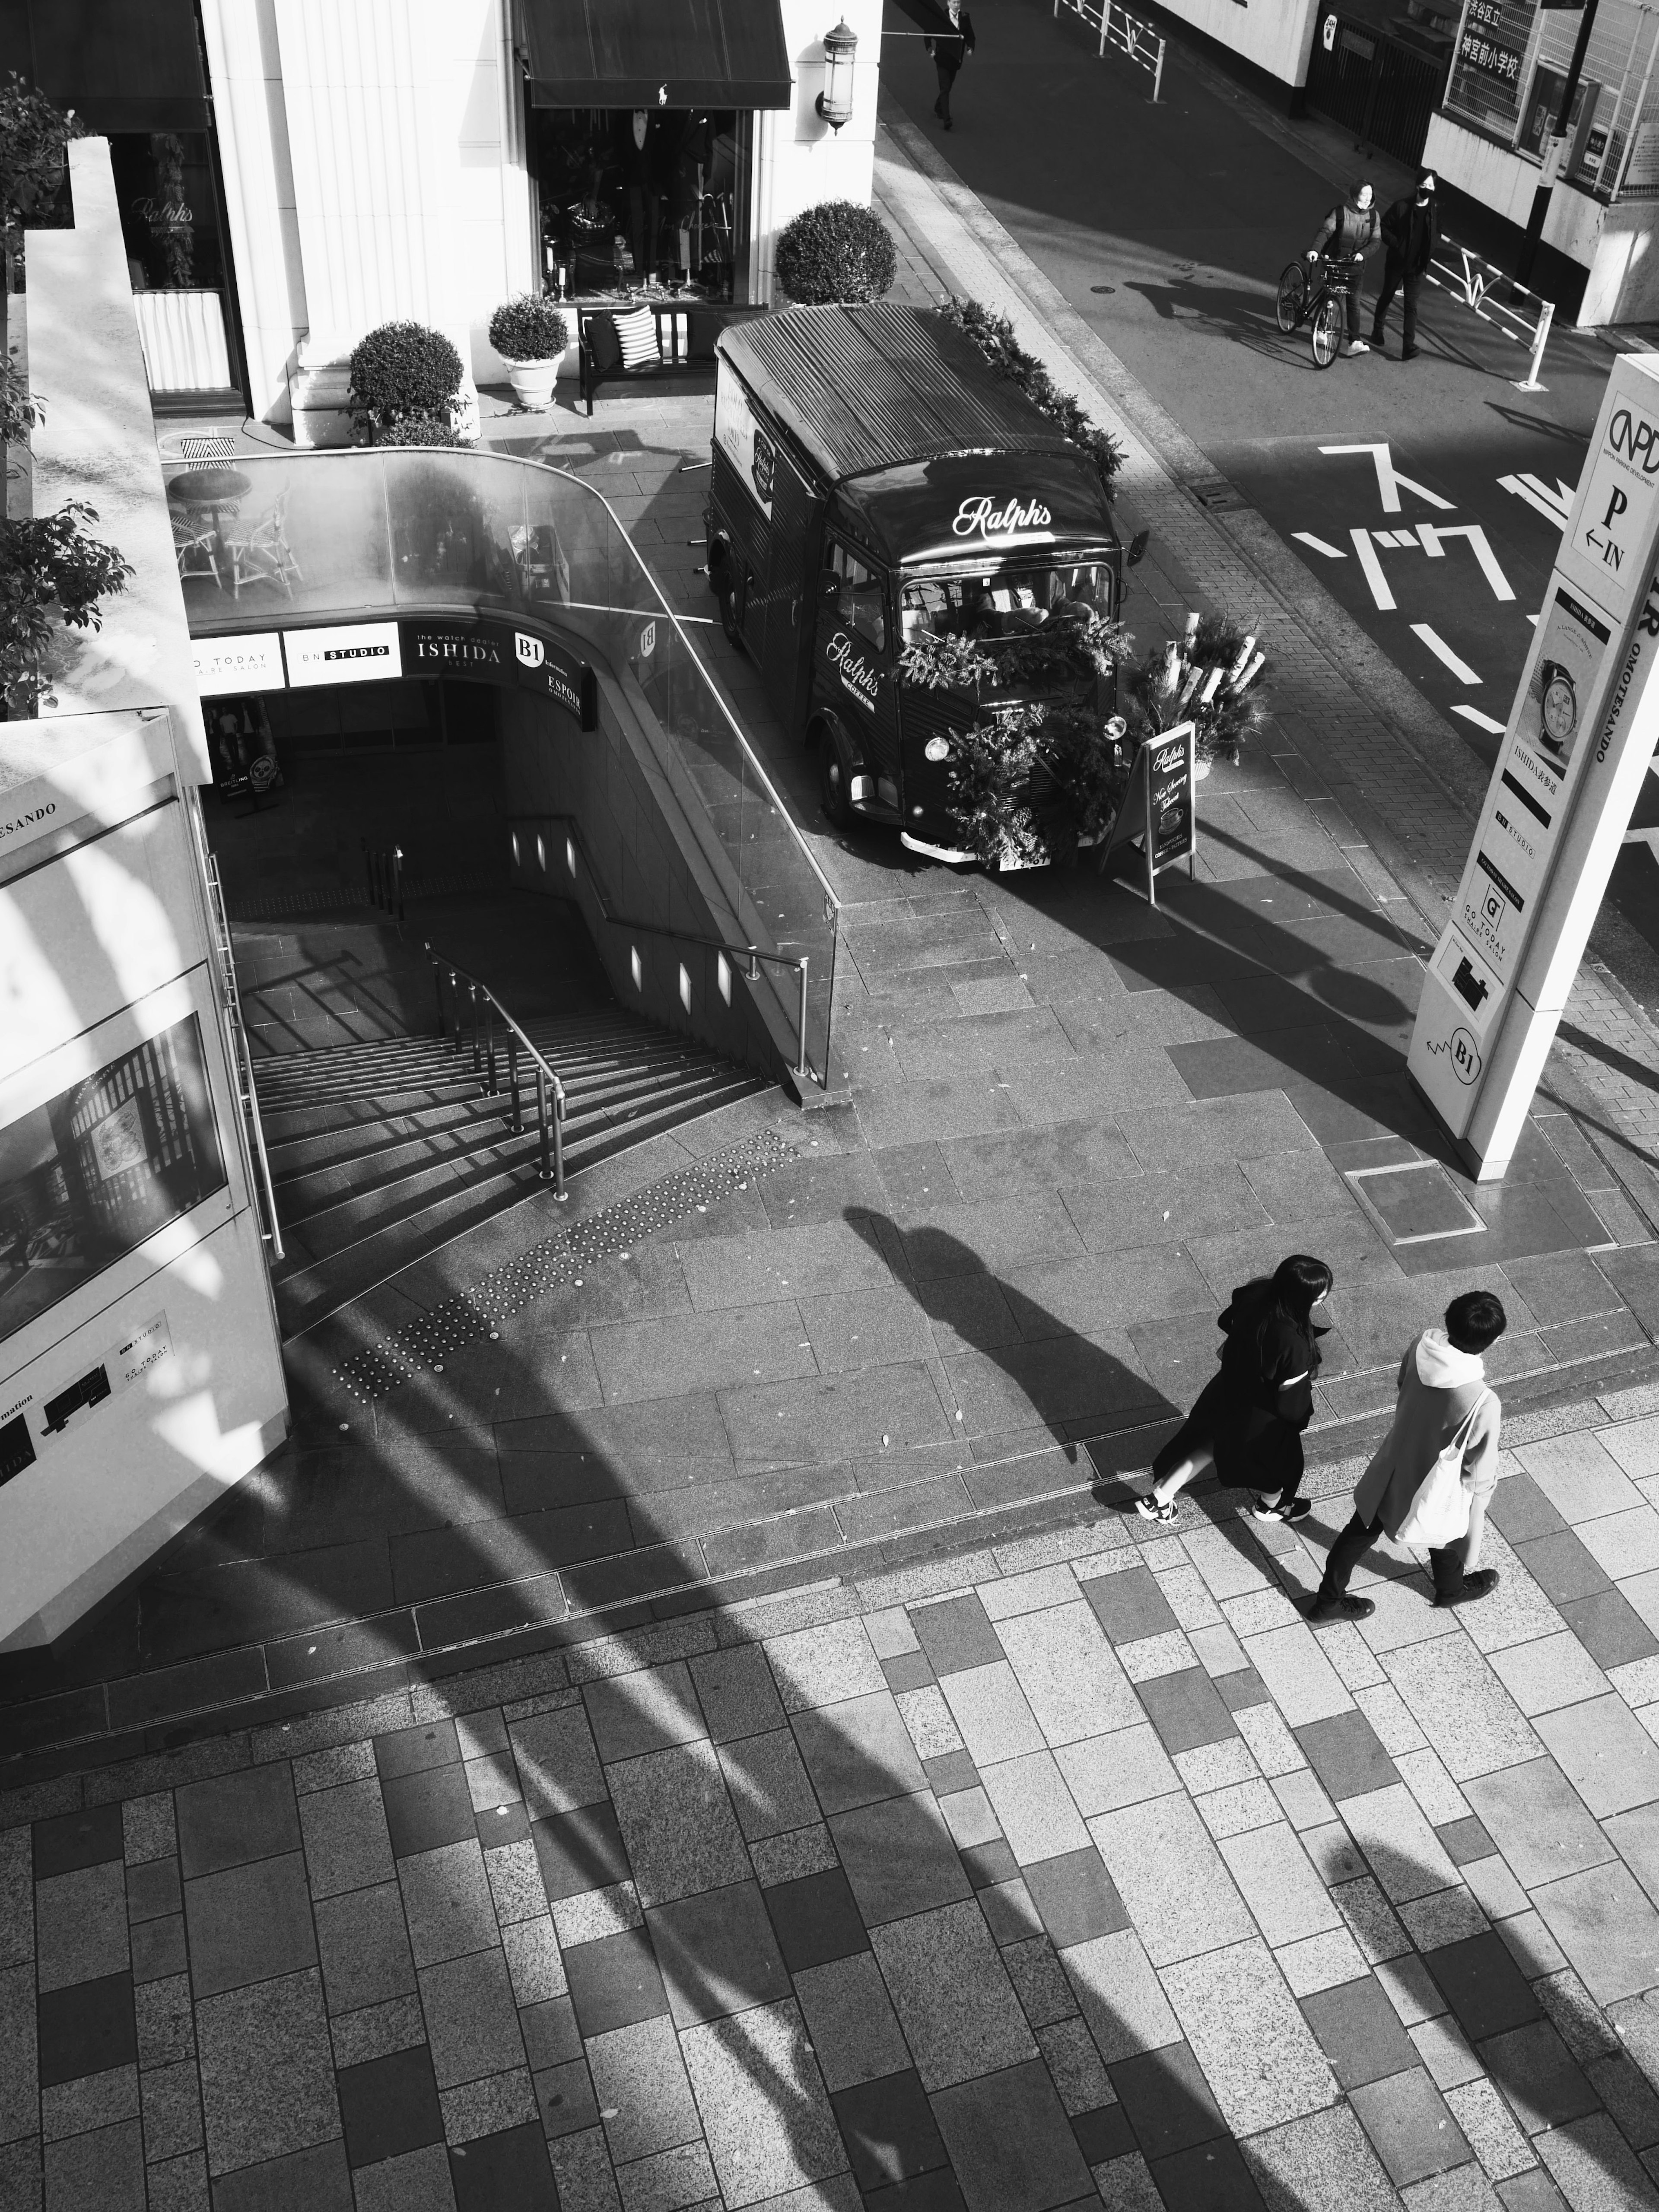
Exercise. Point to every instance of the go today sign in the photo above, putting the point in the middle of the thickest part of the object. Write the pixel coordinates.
(1580, 736)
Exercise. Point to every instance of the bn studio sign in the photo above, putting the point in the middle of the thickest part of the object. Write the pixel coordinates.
(1569, 767)
(497, 652)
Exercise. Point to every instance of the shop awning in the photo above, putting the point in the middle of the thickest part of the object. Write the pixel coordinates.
(121, 65)
(643, 54)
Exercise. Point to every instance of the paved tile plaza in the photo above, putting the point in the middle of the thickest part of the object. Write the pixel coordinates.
(1079, 1871)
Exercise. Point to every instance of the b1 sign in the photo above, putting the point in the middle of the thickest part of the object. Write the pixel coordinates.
(1580, 736)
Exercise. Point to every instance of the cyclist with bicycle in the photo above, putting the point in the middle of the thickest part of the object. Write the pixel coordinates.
(1350, 232)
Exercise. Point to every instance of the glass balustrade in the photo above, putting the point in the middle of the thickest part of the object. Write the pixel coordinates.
(283, 541)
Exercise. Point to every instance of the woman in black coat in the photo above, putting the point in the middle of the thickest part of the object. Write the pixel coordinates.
(1249, 1416)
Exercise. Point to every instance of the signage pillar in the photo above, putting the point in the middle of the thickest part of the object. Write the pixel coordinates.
(1570, 766)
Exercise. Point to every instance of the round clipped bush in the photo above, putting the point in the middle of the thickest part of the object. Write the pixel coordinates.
(837, 251)
(528, 328)
(402, 369)
(418, 430)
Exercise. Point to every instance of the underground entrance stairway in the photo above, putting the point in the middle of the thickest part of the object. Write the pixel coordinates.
(383, 1151)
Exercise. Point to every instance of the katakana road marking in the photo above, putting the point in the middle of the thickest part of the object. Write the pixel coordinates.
(1481, 721)
(1331, 552)
(1434, 536)
(1373, 568)
(1442, 651)
(1389, 482)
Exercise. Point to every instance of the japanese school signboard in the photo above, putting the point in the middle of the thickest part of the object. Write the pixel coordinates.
(1580, 735)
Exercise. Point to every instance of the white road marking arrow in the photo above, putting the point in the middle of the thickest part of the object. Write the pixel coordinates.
(1552, 505)
(1442, 651)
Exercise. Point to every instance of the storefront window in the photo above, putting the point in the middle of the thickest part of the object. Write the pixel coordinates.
(635, 197)
(164, 185)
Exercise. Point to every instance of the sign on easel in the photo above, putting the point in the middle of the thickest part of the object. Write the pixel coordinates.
(1573, 758)
(1158, 813)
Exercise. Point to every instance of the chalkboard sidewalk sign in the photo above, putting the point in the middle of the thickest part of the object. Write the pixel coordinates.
(1157, 810)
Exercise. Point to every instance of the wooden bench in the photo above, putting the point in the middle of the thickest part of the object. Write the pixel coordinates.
(686, 332)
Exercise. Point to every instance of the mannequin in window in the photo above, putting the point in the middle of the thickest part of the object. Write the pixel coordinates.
(639, 156)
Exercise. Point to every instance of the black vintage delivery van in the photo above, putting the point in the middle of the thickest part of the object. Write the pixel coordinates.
(873, 479)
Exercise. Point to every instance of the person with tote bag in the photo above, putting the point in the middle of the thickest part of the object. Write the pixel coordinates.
(1429, 1483)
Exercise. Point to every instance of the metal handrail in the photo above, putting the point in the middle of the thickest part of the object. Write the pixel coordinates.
(241, 1059)
(485, 1007)
(750, 954)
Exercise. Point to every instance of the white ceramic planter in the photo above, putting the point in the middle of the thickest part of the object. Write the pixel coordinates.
(532, 380)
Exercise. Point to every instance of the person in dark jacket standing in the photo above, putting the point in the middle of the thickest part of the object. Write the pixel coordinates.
(1411, 231)
(1248, 1417)
(950, 49)
(1351, 228)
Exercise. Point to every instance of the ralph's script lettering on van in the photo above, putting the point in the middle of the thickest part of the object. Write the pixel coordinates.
(984, 518)
(857, 676)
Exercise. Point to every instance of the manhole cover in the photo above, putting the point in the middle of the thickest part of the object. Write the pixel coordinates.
(1415, 1202)
(1103, 287)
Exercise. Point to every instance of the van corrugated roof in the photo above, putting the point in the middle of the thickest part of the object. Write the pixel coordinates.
(867, 388)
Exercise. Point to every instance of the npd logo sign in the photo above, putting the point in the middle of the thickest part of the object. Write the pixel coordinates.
(1614, 521)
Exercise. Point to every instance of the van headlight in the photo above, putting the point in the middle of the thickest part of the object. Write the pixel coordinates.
(936, 749)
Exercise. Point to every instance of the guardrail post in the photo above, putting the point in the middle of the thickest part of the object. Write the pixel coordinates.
(512, 1080)
(1105, 26)
(804, 1068)
(1158, 75)
(1537, 344)
(438, 990)
(477, 1057)
(544, 1173)
(397, 880)
(489, 1046)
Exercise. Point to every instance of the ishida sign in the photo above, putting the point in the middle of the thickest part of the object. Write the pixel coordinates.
(1570, 764)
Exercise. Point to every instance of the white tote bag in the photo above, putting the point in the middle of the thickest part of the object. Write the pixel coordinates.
(1439, 1514)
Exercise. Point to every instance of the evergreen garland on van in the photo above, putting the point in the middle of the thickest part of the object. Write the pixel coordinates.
(993, 335)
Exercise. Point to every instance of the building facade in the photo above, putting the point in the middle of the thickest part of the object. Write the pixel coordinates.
(292, 173)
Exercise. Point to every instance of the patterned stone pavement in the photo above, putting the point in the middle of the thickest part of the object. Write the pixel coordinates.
(1079, 1872)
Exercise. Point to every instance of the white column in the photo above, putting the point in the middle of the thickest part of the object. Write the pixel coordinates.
(263, 245)
(1580, 736)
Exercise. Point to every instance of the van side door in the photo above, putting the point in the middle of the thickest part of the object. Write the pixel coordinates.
(854, 652)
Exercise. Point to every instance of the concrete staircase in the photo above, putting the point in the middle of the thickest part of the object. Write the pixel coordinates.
(383, 1151)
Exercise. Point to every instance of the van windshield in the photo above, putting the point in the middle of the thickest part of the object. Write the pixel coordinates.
(1004, 604)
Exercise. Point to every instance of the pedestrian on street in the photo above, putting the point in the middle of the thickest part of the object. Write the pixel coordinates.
(1248, 1417)
(1411, 231)
(1429, 1482)
(950, 49)
(1349, 229)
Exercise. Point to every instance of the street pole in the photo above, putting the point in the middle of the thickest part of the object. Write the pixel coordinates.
(1540, 198)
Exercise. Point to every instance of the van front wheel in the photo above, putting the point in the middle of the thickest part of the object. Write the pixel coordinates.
(729, 622)
(834, 793)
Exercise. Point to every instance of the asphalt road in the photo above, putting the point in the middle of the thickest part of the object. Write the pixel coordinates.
(1167, 227)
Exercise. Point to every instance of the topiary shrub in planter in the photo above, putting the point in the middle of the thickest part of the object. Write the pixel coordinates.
(402, 369)
(418, 430)
(835, 252)
(530, 334)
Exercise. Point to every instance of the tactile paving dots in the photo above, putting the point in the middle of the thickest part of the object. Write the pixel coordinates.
(420, 1348)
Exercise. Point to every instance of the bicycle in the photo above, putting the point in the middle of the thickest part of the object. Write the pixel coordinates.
(1325, 305)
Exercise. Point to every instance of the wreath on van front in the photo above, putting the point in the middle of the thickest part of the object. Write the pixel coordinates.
(1033, 782)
